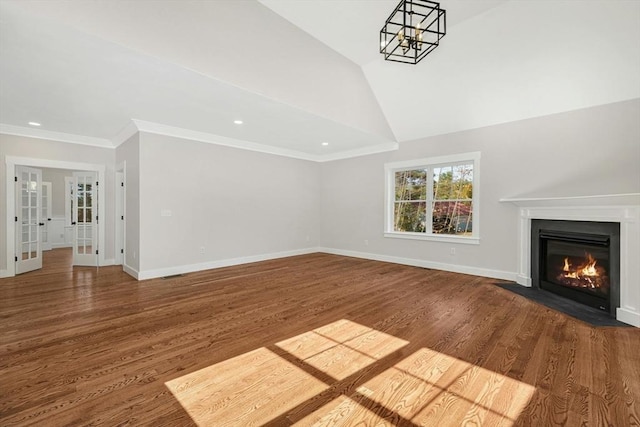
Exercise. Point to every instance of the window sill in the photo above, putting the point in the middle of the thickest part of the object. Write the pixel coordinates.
(435, 238)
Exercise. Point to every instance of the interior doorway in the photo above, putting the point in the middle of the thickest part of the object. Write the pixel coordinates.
(63, 217)
(24, 230)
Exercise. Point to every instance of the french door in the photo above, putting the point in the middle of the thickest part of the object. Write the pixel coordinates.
(85, 219)
(28, 219)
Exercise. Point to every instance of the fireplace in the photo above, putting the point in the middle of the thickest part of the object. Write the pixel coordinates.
(621, 210)
(578, 260)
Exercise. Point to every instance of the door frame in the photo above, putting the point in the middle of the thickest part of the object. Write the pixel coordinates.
(121, 208)
(11, 163)
(46, 246)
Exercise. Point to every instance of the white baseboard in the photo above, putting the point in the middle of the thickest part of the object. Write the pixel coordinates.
(523, 280)
(183, 269)
(454, 268)
(5, 273)
(61, 245)
(627, 316)
(131, 271)
(107, 262)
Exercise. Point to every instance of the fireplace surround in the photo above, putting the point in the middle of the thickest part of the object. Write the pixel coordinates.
(623, 209)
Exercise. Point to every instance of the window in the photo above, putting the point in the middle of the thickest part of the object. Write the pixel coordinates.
(434, 199)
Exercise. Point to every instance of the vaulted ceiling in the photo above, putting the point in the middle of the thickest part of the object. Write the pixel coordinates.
(299, 73)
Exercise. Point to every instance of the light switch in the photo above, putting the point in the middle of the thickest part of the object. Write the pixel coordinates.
(165, 212)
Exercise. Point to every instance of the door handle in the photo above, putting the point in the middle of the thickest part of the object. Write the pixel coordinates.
(73, 223)
(41, 224)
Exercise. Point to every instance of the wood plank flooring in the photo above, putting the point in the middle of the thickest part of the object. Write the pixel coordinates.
(313, 340)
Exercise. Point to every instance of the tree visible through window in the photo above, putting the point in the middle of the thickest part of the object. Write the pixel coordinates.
(410, 208)
(452, 199)
(433, 198)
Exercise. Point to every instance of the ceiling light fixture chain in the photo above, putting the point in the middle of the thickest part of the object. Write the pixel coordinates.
(412, 31)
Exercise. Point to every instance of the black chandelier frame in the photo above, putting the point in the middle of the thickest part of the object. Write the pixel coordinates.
(412, 31)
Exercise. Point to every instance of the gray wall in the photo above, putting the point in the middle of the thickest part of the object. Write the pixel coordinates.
(585, 152)
(233, 203)
(237, 203)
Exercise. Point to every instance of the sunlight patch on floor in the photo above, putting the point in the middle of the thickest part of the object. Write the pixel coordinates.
(342, 411)
(341, 348)
(430, 388)
(425, 388)
(244, 390)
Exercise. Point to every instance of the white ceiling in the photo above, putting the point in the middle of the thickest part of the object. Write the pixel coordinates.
(299, 73)
(351, 27)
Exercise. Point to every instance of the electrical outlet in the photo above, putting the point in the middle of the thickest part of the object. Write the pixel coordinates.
(366, 242)
(452, 251)
(201, 249)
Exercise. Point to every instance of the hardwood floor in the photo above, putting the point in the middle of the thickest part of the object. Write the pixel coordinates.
(309, 340)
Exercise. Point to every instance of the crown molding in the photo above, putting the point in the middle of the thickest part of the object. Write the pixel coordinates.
(55, 136)
(135, 126)
(193, 135)
(127, 132)
(365, 151)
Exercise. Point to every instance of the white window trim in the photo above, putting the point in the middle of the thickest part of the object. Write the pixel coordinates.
(391, 168)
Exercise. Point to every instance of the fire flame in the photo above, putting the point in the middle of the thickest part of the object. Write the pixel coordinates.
(586, 270)
(590, 268)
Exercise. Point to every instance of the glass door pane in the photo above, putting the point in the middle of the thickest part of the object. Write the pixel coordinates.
(28, 205)
(85, 220)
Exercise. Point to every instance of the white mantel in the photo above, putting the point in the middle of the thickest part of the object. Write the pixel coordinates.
(622, 208)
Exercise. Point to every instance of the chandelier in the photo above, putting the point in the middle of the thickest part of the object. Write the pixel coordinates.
(412, 31)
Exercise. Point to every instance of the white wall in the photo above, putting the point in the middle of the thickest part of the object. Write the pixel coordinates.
(586, 152)
(18, 146)
(238, 205)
